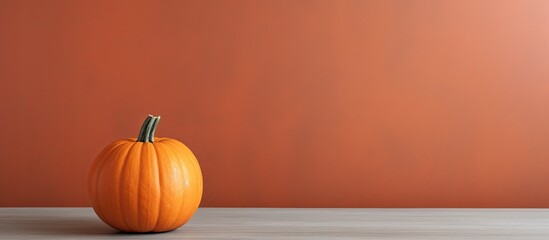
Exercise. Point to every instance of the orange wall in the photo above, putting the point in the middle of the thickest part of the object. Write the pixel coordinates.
(285, 103)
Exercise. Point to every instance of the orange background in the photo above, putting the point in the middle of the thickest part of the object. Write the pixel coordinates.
(285, 103)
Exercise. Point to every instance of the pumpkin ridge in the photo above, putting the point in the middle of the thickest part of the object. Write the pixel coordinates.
(102, 159)
(196, 196)
(183, 216)
(159, 186)
(137, 194)
(111, 158)
(124, 209)
(105, 156)
(198, 174)
(184, 173)
(148, 188)
(137, 200)
(124, 161)
(196, 169)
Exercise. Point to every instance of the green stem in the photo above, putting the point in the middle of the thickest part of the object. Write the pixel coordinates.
(146, 134)
(153, 128)
(143, 127)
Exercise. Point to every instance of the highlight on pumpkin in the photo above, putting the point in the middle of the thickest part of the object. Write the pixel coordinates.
(146, 134)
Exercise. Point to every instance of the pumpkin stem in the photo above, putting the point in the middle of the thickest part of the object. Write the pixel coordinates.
(153, 128)
(146, 134)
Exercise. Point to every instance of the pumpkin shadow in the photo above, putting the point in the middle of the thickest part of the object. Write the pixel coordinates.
(42, 225)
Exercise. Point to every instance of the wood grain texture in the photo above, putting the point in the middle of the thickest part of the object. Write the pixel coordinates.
(288, 223)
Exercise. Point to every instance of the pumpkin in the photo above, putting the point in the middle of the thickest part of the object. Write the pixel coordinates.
(145, 184)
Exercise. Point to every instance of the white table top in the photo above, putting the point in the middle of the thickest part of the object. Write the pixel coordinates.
(291, 223)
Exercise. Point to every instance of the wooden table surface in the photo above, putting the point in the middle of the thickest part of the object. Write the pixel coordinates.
(291, 223)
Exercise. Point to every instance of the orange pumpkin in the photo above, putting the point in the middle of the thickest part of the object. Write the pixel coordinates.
(145, 184)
